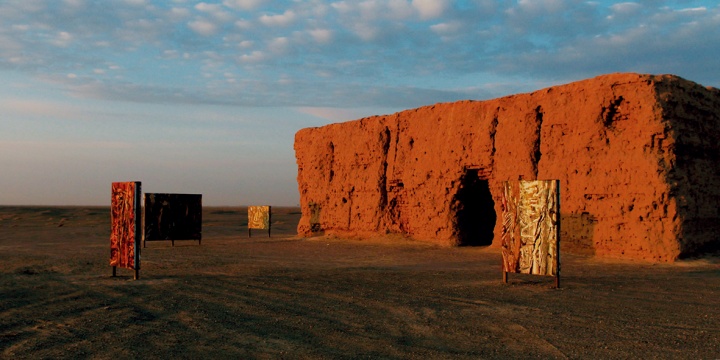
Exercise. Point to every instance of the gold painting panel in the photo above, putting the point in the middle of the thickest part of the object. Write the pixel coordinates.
(258, 217)
(531, 227)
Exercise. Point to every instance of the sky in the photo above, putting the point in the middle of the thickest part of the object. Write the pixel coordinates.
(206, 97)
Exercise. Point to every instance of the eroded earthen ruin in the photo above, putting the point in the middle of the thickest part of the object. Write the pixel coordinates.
(636, 156)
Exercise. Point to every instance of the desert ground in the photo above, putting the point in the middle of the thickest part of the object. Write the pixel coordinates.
(330, 298)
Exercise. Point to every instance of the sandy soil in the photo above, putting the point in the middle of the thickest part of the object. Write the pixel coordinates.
(330, 298)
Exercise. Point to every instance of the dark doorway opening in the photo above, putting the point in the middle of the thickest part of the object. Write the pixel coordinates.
(475, 211)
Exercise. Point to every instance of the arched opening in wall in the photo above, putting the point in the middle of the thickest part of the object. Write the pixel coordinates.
(475, 211)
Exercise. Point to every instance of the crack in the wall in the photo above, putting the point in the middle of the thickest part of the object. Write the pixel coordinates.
(331, 173)
(493, 131)
(397, 138)
(608, 114)
(537, 154)
(350, 205)
(382, 180)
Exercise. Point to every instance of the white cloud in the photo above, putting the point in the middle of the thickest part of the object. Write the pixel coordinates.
(318, 9)
(285, 80)
(203, 27)
(366, 31)
(75, 3)
(243, 24)
(177, 13)
(135, 2)
(283, 19)
(537, 6)
(279, 45)
(9, 46)
(625, 7)
(18, 60)
(214, 56)
(373, 10)
(664, 41)
(333, 114)
(699, 9)
(205, 7)
(170, 54)
(253, 57)
(624, 10)
(400, 9)
(215, 11)
(62, 39)
(30, 5)
(430, 9)
(342, 7)
(243, 4)
(134, 32)
(322, 36)
(447, 28)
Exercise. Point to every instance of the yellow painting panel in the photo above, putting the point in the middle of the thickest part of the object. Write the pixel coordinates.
(258, 217)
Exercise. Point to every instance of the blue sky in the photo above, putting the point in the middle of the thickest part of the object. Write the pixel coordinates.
(205, 97)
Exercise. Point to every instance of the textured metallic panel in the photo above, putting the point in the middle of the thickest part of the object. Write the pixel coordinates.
(531, 223)
(258, 217)
(124, 225)
(173, 217)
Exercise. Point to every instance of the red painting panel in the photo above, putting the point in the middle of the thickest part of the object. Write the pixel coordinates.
(125, 220)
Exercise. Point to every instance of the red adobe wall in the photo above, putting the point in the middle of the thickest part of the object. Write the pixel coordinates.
(637, 172)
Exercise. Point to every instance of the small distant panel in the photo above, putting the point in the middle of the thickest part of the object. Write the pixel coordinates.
(259, 217)
(531, 224)
(173, 217)
(125, 229)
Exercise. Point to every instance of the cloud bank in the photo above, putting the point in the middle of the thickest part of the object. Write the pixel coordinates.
(398, 53)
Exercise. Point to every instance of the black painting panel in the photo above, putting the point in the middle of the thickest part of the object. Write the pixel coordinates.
(173, 217)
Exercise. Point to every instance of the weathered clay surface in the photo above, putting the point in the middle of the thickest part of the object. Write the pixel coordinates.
(635, 155)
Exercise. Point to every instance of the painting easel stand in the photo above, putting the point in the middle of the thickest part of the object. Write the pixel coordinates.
(259, 218)
(136, 277)
(557, 278)
(250, 232)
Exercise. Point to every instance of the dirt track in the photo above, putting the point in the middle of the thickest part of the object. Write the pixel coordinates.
(286, 297)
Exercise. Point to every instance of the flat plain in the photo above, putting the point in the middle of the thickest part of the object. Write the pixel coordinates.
(324, 297)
